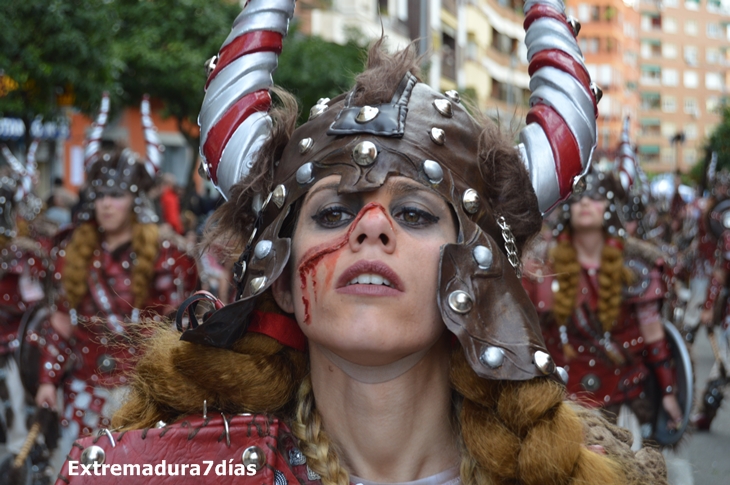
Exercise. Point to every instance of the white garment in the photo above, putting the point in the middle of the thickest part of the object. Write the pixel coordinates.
(18, 431)
(446, 477)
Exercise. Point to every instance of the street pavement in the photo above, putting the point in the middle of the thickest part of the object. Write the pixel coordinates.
(703, 458)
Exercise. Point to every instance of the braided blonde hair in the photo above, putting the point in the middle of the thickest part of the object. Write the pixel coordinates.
(612, 277)
(86, 239)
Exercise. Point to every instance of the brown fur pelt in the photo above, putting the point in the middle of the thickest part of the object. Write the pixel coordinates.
(173, 378)
(645, 466)
(612, 277)
(86, 239)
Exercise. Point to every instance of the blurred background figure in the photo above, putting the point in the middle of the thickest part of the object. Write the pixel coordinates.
(170, 203)
(115, 270)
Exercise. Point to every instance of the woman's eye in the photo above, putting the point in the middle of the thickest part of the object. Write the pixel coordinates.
(333, 216)
(415, 217)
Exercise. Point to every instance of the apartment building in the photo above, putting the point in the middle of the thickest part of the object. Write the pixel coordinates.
(609, 40)
(473, 46)
(684, 68)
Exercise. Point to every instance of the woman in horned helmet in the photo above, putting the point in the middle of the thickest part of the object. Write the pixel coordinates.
(23, 272)
(600, 300)
(380, 333)
(114, 270)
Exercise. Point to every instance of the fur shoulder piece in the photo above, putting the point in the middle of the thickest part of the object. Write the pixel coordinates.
(648, 253)
(643, 467)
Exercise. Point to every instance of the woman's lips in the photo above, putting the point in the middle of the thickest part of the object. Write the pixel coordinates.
(369, 267)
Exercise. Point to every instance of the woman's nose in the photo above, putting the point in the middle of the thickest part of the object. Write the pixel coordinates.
(374, 228)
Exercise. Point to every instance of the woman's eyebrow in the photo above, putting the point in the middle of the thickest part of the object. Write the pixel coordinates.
(329, 186)
(400, 187)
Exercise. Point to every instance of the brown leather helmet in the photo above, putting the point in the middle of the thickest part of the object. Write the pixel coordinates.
(420, 134)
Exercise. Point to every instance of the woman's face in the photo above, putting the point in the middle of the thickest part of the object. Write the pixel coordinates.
(113, 210)
(364, 269)
(587, 214)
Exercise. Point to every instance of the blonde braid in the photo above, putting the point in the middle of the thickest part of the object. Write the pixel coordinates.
(522, 432)
(567, 274)
(145, 244)
(84, 241)
(611, 279)
(322, 456)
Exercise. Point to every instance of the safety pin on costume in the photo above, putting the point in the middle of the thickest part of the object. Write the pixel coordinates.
(266, 168)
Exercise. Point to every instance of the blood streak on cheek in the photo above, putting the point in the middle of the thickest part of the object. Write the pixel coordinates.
(313, 257)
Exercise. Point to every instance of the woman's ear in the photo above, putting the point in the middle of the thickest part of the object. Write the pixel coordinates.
(281, 289)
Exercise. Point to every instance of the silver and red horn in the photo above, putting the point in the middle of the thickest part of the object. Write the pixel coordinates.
(560, 136)
(93, 143)
(712, 169)
(17, 167)
(234, 119)
(626, 162)
(154, 149)
(30, 178)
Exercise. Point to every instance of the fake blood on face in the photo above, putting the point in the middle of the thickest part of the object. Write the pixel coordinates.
(311, 259)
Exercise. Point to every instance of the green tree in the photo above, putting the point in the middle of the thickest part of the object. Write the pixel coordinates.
(312, 68)
(51, 51)
(162, 47)
(718, 142)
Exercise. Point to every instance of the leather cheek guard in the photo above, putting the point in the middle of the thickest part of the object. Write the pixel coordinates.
(484, 304)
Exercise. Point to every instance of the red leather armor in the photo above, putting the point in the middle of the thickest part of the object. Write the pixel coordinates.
(602, 372)
(219, 445)
(101, 353)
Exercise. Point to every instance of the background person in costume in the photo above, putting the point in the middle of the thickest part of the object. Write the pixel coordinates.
(386, 219)
(600, 304)
(23, 278)
(114, 270)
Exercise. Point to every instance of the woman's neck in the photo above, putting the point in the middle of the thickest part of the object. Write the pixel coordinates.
(588, 246)
(113, 240)
(394, 431)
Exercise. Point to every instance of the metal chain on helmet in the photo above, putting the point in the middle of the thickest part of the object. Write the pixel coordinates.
(510, 246)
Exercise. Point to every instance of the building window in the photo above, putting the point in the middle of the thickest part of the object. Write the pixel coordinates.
(690, 131)
(650, 74)
(690, 156)
(712, 103)
(650, 127)
(713, 31)
(691, 79)
(713, 80)
(668, 129)
(690, 27)
(669, 154)
(448, 56)
(588, 45)
(670, 3)
(651, 22)
(472, 49)
(650, 101)
(714, 5)
(692, 4)
(690, 55)
(670, 25)
(669, 51)
(651, 48)
(670, 77)
(669, 104)
(712, 55)
(584, 12)
(690, 106)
